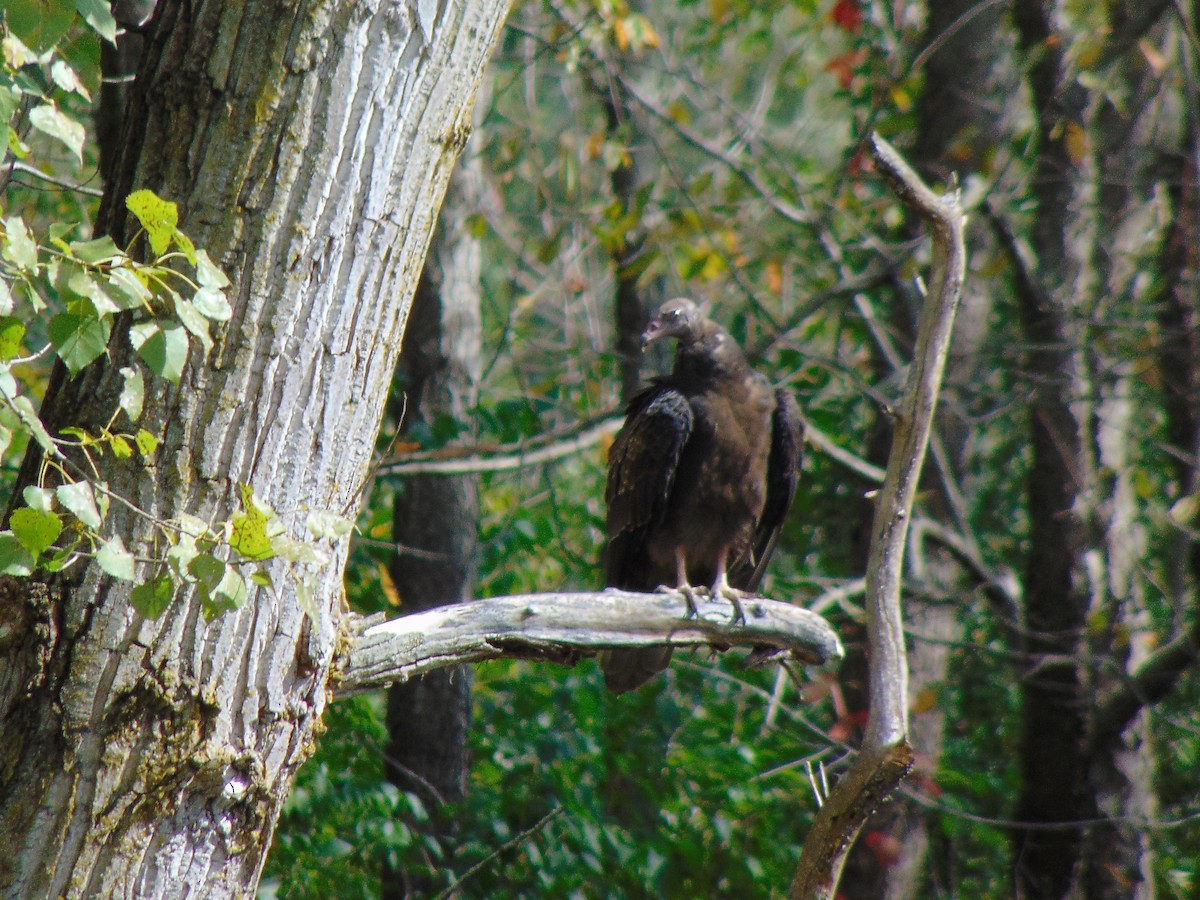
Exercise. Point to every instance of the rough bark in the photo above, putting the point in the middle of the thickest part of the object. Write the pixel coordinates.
(428, 718)
(308, 149)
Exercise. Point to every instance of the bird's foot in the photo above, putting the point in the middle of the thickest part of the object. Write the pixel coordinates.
(690, 594)
(734, 596)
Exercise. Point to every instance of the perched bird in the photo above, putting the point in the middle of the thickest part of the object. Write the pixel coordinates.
(700, 478)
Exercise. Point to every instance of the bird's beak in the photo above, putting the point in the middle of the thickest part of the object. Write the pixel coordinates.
(655, 330)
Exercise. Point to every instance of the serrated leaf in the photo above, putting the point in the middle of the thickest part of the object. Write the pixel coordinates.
(41, 499)
(98, 14)
(19, 246)
(12, 332)
(114, 559)
(163, 345)
(14, 558)
(81, 502)
(212, 304)
(207, 272)
(146, 442)
(152, 598)
(101, 250)
(48, 119)
(249, 535)
(78, 339)
(324, 524)
(133, 394)
(159, 217)
(35, 529)
(193, 321)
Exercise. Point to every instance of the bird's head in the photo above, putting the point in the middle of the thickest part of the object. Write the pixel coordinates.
(679, 318)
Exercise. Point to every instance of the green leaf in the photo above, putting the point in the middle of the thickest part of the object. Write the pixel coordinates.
(159, 217)
(120, 446)
(152, 598)
(262, 578)
(81, 501)
(19, 246)
(78, 339)
(114, 559)
(82, 283)
(212, 304)
(128, 291)
(146, 442)
(184, 243)
(14, 558)
(66, 78)
(12, 332)
(35, 529)
(231, 592)
(193, 321)
(250, 535)
(323, 524)
(101, 250)
(133, 393)
(48, 119)
(207, 272)
(164, 347)
(41, 499)
(98, 14)
(38, 25)
(6, 300)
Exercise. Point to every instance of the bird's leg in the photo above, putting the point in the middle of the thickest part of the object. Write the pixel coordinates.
(681, 582)
(722, 588)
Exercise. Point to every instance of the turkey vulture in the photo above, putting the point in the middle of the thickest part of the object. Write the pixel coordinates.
(700, 478)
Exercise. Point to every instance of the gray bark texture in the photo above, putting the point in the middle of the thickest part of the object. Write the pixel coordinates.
(308, 147)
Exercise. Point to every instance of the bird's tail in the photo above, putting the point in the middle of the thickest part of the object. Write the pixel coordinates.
(625, 670)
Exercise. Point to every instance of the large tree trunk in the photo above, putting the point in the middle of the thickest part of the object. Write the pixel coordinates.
(308, 149)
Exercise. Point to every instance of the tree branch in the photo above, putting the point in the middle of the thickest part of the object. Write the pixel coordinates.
(502, 458)
(886, 756)
(567, 627)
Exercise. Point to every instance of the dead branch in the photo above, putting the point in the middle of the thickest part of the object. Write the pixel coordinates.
(567, 627)
(886, 757)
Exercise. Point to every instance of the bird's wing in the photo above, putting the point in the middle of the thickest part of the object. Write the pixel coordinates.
(783, 468)
(641, 471)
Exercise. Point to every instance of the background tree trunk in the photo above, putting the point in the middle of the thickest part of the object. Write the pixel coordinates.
(438, 517)
(150, 758)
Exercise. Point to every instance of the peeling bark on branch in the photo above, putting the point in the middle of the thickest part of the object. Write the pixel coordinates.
(567, 627)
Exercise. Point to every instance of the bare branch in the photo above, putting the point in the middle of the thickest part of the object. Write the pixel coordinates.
(886, 757)
(466, 461)
(566, 627)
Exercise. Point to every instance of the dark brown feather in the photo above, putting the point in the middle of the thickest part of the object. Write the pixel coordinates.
(705, 466)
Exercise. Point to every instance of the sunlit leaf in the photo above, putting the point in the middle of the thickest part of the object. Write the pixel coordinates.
(146, 442)
(163, 345)
(193, 321)
(159, 217)
(39, 498)
(64, 76)
(12, 332)
(114, 559)
(19, 248)
(212, 304)
(324, 524)
(101, 250)
(35, 529)
(48, 119)
(132, 394)
(250, 535)
(79, 499)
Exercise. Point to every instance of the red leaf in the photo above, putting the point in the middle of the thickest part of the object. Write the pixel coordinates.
(847, 15)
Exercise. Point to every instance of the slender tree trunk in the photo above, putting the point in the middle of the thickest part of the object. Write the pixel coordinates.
(428, 717)
(308, 148)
